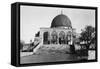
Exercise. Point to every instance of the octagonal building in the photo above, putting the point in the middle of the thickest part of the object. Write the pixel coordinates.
(59, 36)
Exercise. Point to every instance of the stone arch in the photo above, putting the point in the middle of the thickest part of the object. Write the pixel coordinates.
(54, 37)
(62, 37)
(68, 36)
(62, 34)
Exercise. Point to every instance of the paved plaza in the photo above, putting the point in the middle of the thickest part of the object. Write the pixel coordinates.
(45, 56)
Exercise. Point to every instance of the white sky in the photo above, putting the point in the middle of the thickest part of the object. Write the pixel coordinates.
(32, 18)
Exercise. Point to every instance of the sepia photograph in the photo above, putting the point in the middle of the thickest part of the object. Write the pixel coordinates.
(55, 34)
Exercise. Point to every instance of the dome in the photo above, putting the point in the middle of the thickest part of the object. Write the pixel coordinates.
(61, 21)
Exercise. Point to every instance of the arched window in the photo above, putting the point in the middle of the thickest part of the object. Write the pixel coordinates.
(45, 38)
(62, 37)
(54, 37)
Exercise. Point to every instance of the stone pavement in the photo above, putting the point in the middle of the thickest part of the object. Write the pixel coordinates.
(51, 56)
(48, 56)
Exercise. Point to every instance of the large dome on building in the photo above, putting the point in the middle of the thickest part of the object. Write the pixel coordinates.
(61, 21)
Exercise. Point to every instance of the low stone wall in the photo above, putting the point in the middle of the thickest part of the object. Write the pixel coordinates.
(25, 54)
(56, 47)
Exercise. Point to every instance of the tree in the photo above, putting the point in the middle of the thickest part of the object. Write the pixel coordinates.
(87, 35)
